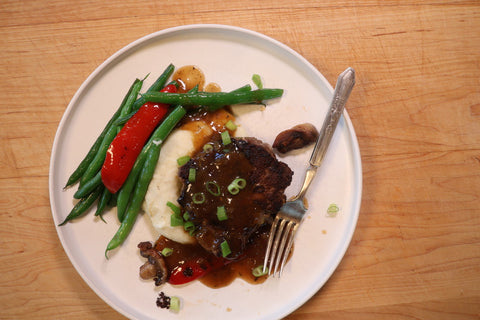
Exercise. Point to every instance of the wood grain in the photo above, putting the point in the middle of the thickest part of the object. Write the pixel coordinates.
(416, 110)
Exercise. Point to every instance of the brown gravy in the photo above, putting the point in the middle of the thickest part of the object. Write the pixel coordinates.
(225, 275)
(205, 124)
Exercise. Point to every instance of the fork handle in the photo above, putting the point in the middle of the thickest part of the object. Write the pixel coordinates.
(343, 88)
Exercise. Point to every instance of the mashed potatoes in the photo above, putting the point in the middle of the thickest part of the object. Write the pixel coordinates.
(164, 186)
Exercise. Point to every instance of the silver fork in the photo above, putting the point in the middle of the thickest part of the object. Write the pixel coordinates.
(291, 214)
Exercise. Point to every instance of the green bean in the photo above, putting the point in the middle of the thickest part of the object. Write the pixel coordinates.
(103, 203)
(83, 205)
(82, 167)
(124, 194)
(132, 210)
(156, 86)
(122, 120)
(194, 89)
(213, 100)
(99, 158)
(162, 79)
(113, 200)
(132, 98)
(145, 176)
(88, 187)
(139, 103)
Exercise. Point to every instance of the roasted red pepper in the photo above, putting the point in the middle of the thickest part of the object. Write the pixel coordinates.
(191, 270)
(128, 143)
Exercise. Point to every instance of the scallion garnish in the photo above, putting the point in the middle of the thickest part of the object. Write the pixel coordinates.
(176, 220)
(236, 185)
(213, 188)
(176, 217)
(207, 147)
(192, 172)
(186, 216)
(332, 210)
(198, 198)
(225, 138)
(258, 271)
(233, 189)
(230, 125)
(167, 252)
(189, 227)
(176, 210)
(221, 213)
(258, 81)
(175, 304)
(240, 182)
(183, 160)
(225, 248)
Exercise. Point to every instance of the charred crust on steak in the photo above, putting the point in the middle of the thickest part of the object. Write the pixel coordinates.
(267, 178)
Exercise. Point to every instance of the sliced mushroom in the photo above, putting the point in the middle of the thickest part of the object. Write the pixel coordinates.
(155, 267)
(148, 271)
(297, 137)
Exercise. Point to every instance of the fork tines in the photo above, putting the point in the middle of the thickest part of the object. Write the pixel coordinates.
(279, 245)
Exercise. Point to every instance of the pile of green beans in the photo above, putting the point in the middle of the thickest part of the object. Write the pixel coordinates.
(129, 198)
(88, 171)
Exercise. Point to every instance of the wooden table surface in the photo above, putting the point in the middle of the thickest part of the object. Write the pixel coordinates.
(415, 253)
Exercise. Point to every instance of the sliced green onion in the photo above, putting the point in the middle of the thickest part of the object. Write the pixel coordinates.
(167, 252)
(186, 216)
(198, 198)
(176, 210)
(240, 182)
(332, 210)
(230, 125)
(221, 213)
(192, 175)
(258, 271)
(258, 81)
(225, 248)
(213, 188)
(183, 160)
(176, 220)
(175, 304)
(236, 185)
(226, 138)
(207, 147)
(189, 227)
(233, 189)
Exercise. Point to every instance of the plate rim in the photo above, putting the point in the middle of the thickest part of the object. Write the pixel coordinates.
(357, 163)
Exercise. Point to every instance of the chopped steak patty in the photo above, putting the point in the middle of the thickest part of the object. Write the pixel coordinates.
(246, 207)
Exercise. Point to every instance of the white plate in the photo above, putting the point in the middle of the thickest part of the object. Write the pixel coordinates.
(228, 56)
